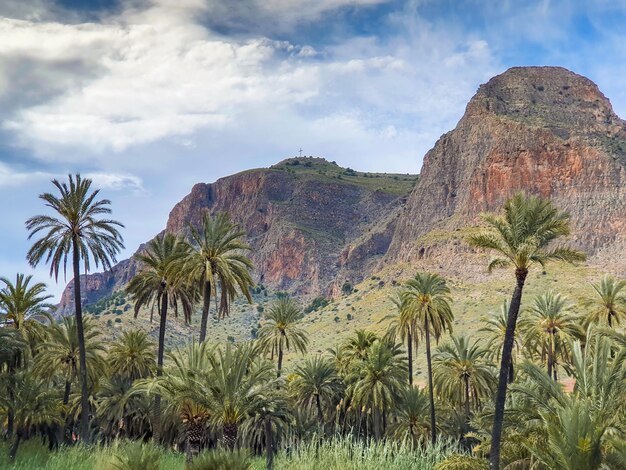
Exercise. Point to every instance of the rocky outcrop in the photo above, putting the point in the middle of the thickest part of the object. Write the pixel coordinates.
(300, 217)
(543, 130)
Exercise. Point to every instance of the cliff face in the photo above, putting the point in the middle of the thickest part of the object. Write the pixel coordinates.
(543, 130)
(312, 225)
(301, 218)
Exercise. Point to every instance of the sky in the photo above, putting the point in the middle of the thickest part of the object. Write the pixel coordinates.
(148, 97)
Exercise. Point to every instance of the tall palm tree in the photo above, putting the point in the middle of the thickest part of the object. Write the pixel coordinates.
(428, 297)
(379, 381)
(132, 356)
(216, 258)
(462, 373)
(76, 228)
(281, 331)
(160, 285)
(609, 304)
(520, 237)
(495, 329)
(316, 384)
(549, 327)
(403, 324)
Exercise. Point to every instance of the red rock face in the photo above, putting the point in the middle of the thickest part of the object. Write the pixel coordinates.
(542, 130)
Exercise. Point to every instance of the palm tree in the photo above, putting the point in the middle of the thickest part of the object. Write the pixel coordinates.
(60, 353)
(357, 346)
(281, 330)
(24, 308)
(576, 429)
(12, 356)
(403, 324)
(228, 389)
(216, 258)
(548, 328)
(462, 373)
(33, 404)
(132, 356)
(379, 381)
(609, 303)
(410, 415)
(76, 228)
(428, 297)
(521, 237)
(316, 383)
(495, 329)
(160, 285)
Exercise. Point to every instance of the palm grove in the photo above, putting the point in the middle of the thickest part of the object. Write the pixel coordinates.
(492, 401)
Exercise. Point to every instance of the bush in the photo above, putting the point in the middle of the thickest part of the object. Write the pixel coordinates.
(221, 460)
(316, 304)
(349, 317)
(136, 456)
(259, 308)
(118, 320)
(462, 462)
(346, 288)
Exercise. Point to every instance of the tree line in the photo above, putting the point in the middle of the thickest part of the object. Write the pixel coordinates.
(496, 396)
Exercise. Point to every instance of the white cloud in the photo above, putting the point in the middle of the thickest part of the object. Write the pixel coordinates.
(116, 182)
(10, 178)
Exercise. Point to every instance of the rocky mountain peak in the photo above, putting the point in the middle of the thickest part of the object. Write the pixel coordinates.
(547, 96)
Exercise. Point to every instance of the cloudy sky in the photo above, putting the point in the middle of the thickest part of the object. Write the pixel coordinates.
(149, 97)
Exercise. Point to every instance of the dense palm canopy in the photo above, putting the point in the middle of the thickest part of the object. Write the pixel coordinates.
(523, 235)
(217, 258)
(462, 373)
(78, 228)
(132, 356)
(548, 327)
(317, 385)
(58, 356)
(281, 332)
(378, 381)
(608, 305)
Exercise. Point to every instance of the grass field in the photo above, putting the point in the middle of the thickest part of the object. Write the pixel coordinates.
(336, 454)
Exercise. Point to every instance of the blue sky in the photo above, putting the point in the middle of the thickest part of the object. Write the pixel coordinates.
(149, 97)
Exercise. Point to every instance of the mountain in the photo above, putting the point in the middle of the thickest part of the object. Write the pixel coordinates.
(301, 216)
(313, 225)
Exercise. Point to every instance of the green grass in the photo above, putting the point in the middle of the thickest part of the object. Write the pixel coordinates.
(32, 455)
(345, 454)
(318, 168)
(334, 454)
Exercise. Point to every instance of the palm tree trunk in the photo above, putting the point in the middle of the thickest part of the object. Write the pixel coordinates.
(511, 372)
(14, 446)
(230, 431)
(280, 359)
(11, 395)
(320, 414)
(84, 390)
(467, 398)
(376, 422)
(269, 445)
(206, 305)
(433, 430)
(66, 419)
(409, 347)
(507, 349)
(156, 426)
